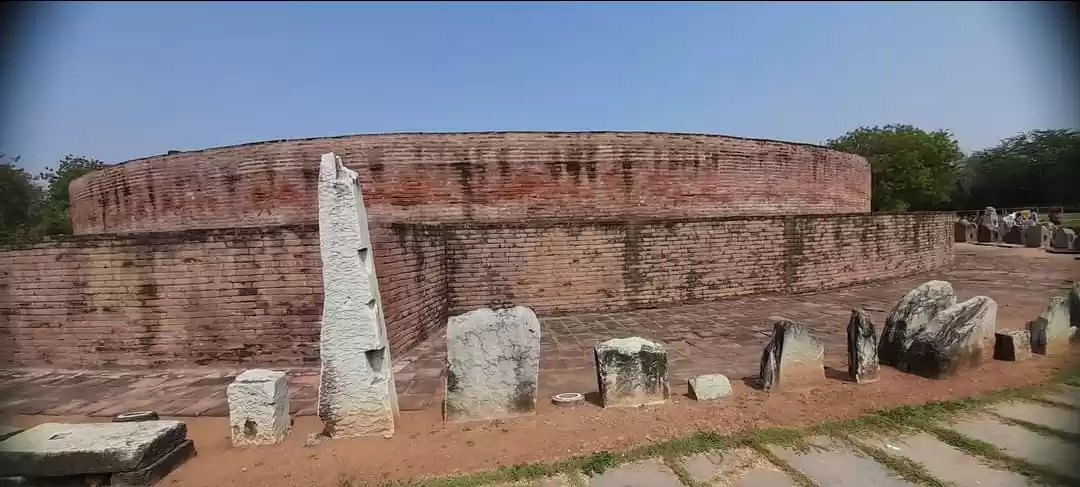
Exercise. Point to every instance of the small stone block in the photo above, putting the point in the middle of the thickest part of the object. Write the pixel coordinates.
(1012, 345)
(709, 387)
(258, 407)
(631, 372)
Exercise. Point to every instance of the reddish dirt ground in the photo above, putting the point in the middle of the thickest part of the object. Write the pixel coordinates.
(425, 446)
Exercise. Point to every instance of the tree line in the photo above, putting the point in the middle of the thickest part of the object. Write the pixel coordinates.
(913, 170)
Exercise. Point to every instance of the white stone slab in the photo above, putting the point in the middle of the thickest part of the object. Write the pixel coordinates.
(57, 449)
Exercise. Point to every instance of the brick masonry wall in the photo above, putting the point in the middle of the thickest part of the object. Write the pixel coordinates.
(476, 177)
(253, 295)
(561, 266)
(250, 295)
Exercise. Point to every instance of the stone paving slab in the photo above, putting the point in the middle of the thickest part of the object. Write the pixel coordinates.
(563, 480)
(830, 462)
(716, 337)
(1054, 454)
(1061, 419)
(764, 477)
(651, 473)
(946, 463)
(1066, 396)
(737, 467)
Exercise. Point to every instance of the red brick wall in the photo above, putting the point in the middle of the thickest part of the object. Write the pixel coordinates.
(254, 295)
(249, 295)
(572, 266)
(475, 176)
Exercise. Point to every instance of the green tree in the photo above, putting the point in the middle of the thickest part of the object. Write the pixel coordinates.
(1040, 167)
(54, 217)
(912, 169)
(20, 199)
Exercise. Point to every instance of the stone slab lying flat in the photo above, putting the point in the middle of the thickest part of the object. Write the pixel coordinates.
(764, 477)
(829, 462)
(1054, 454)
(149, 475)
(1066, 395)
(946, 463)
(647, 473)
(562, 480)
(8, 431)
(739, 467)
(57, 450)
(1061, 419)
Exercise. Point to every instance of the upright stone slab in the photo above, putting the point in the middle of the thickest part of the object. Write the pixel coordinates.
(862, 346)
(1050, 332)
(1074, 304)
(493, 364)
(1063, 238)
(793, 358)
(1012, 345)
(909, 317)
(258, 407)
(631, 372)
(356, 388)
(959, 337)
(1037, 236)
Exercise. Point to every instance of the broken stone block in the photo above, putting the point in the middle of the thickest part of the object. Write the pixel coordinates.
(356, 388)
(792, 358)
(1014, 235)
(964, 231)
(258, 407)
(959, 337)
(150, 474)
(909, 317)
(493, 364)
(710, 386)
(1037, 236)
(862, 346)
(631, 372)
(59, 450)
(1012, 345)
(1050, 332)
(1063, 238)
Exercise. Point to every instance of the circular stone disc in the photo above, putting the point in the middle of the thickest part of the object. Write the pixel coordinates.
(568, 399)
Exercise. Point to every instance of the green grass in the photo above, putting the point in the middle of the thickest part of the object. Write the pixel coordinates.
(925, 417)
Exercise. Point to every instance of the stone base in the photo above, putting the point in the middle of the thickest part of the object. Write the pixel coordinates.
(142, 477)
(258, 407)
(709, 387)
(57, 450)
(1012, 345)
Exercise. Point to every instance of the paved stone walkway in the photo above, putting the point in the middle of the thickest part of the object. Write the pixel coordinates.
(716, 337)
(845, 462)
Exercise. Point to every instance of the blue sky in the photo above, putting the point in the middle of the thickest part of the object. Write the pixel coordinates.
(123, 80)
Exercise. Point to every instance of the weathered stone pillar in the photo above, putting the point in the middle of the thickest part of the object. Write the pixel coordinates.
(258, 407)
(862, 348)
(493, 364)
(356, 388)
(631, 372)
(793, 358)
(1037, 236)
(1063, 238)
(1050, 332)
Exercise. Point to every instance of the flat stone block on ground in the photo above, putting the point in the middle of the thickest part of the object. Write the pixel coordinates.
(764, 477)
(1051, 453)
(709, 387)
(909, 317)
(830, 462)
(1059, 418)
(792, 359)
(258, 407)
(493, 364)
(156, 471)
(562, 480)
(959, 337)
(56, 449)
(946, 463)
(1065, 395)
(735, 467)
(647, 473)
(631, 372)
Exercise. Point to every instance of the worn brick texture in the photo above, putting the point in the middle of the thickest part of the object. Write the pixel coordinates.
(476, 177)
(253, 295)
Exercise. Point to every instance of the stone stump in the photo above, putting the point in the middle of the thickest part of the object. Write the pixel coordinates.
(793, 358)
(1014, 235)
(909, 317)
(1037, 236)
(356, 388)
(1012, 345)
(1050, 332)
(959, 337)
(709, 387)
(492, 364)
(988, 234)
(862, 346)
(631, 372)
(964, 231)
(1064, 238)
(258, 407)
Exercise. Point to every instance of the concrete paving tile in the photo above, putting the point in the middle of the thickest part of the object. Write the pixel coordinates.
(946, 463)
(647, 473)
(1059, 418)
(1054, 454)
(830, 462)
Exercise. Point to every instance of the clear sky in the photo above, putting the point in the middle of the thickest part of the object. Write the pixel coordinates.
(117, 81)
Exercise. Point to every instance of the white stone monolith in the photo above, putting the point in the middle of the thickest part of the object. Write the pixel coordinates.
(356, 384)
